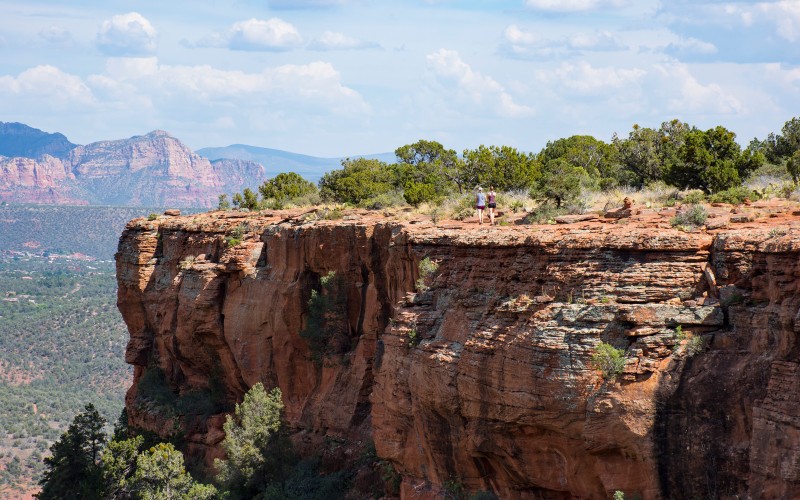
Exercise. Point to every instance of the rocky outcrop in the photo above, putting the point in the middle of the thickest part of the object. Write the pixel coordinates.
(151, 170)
(481, 375)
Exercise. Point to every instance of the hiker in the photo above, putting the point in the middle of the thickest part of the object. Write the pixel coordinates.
(492, 203)
(480, 204)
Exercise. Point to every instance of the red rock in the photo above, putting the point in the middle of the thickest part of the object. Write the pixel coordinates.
(500, 393)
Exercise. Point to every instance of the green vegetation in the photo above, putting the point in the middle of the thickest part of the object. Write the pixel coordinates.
(734, 195)
(692, 344)
(251, 442)
(694, 217)
(326, 329)
(260, 462)
(235, 236)
(74, 469)
(61, 343)
(427, 268)
(563, 175)
(609, 360)
(64, 230)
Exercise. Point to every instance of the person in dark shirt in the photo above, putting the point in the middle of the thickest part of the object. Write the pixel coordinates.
(492, 200)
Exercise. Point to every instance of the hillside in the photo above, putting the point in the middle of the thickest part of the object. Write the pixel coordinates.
(155, 169)
(276, 161)
(45, 229)
(20, 140)
(61, 346)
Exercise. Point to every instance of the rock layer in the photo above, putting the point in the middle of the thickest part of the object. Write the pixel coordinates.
(481, 375)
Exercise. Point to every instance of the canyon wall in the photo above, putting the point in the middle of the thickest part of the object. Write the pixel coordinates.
(480, 376)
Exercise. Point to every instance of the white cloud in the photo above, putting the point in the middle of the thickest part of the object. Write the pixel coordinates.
(686, 95)
(56, 35)
(585, 79)
(330, 40)
(690, 46)
(525, 44)
(273, 34)
(316, 86)
(472, 87)
(127, 35)
(573, 5)
(304, 4)
(47, 85)
(785, 15)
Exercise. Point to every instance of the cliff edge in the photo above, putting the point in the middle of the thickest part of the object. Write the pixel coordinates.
(481, 375)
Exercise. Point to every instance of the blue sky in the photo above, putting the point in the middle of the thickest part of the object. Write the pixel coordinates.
(340, 77)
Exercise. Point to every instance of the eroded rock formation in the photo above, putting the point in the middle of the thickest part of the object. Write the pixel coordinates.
(155, 169)
(481, 375)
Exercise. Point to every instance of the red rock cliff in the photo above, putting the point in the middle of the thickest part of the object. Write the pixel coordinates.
(485, 379)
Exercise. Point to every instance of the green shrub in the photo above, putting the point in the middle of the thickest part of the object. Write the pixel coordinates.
(383, 201)
(695, 216)
(544, 214)
(694, 197)
(153, 388)
(333, 214)
(235, 237)
(326, 327)
(427, 268)
(609, 360)
(359, 179)
(416, 193)
(285, 186)
(734, 196)
(413, 338)
(695, 346)
(152, 216)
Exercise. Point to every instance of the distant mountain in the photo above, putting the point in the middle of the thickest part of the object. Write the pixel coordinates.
(276, 161)
(150, 170)
(20, 140)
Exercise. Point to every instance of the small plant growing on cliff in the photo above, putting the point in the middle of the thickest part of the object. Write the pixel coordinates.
(426, 269)
(235, 237)
(609, 360)
(694, 217)
(186, 263)
(777, 231)
(413, 338)
(694, 344)
(454, 489)
(152, 216)
(618, 495)
(326, 327)
(333, 214)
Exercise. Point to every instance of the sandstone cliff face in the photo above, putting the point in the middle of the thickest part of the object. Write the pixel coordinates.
(151, 170)
(46, 180)
(485, 379)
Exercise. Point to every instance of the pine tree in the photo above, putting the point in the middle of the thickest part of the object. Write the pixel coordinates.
(74, 470)
(256, 452)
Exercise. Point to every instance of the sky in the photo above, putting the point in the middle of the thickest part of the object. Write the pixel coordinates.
(344, 77)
